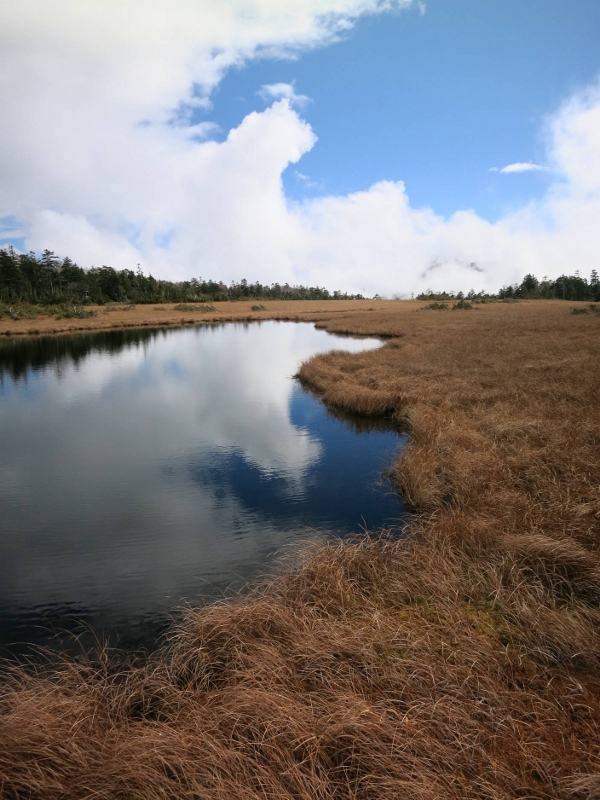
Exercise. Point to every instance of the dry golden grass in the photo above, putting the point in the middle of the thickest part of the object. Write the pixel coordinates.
(167, 314)
(461, 661)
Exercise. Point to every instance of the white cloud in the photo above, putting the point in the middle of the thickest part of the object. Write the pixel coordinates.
(99, 161)
(202, 130)
(306, 180)
(526, 166)
(95, 156)
(376, 241)
(284, 91)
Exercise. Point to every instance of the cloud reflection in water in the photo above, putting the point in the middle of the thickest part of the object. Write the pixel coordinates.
(153, 468)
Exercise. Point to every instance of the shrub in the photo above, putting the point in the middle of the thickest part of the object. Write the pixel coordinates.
(258, 308)
(200, 308)
(592, 308)
(116, 307)
(18, 311)
(68, 311)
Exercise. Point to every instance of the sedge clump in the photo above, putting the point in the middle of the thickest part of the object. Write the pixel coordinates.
(200, 308)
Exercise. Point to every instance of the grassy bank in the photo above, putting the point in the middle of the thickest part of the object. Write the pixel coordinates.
(460, 662)
(30, 320)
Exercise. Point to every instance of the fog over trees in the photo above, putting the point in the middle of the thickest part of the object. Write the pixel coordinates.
(565, 287)
(47, 279)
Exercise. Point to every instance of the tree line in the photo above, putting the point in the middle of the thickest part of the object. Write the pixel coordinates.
(47, 279)
(566, 287)
(44, 280)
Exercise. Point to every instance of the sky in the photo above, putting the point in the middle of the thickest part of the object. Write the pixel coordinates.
(375, 146)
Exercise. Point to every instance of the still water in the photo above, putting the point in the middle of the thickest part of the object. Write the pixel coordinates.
(141, 470)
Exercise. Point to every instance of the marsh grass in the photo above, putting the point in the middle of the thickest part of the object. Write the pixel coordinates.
(145, 315)
(24, 311)
(375, 669)
(463, 305)
(200, 308)
(69, 311)
(18, 311)
(112, 307)
(591, 308)
(458, 660)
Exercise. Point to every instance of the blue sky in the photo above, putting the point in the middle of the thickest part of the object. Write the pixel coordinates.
(160, 145)
(434, 99)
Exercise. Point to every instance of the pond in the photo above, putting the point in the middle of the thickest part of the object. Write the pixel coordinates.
(144, 469)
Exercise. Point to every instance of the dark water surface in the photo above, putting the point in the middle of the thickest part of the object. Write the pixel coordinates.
(140, 470)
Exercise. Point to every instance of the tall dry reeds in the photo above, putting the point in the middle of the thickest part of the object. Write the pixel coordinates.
(458, 661)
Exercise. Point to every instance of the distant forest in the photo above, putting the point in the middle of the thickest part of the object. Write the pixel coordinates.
(567, 287)
(48, 280)
(25, 278)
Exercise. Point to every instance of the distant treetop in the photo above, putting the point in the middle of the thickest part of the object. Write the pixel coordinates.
(566, 287)
(26, 278)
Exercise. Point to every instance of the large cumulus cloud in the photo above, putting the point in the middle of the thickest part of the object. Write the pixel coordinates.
(99, 159)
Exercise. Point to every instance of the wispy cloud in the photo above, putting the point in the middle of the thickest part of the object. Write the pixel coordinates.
(202, 130)
(284, 91)
(307, 181)
(519, 166)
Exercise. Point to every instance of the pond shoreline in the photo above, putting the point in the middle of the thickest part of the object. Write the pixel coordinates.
(462, 661)
(207, 427)
(165, 315)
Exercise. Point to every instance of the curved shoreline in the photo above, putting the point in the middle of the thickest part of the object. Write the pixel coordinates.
(165, 314)
(462, 661)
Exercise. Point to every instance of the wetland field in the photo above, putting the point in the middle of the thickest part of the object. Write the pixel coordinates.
(460, 659)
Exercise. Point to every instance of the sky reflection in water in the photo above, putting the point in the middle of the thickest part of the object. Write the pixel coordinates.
(143, 469)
